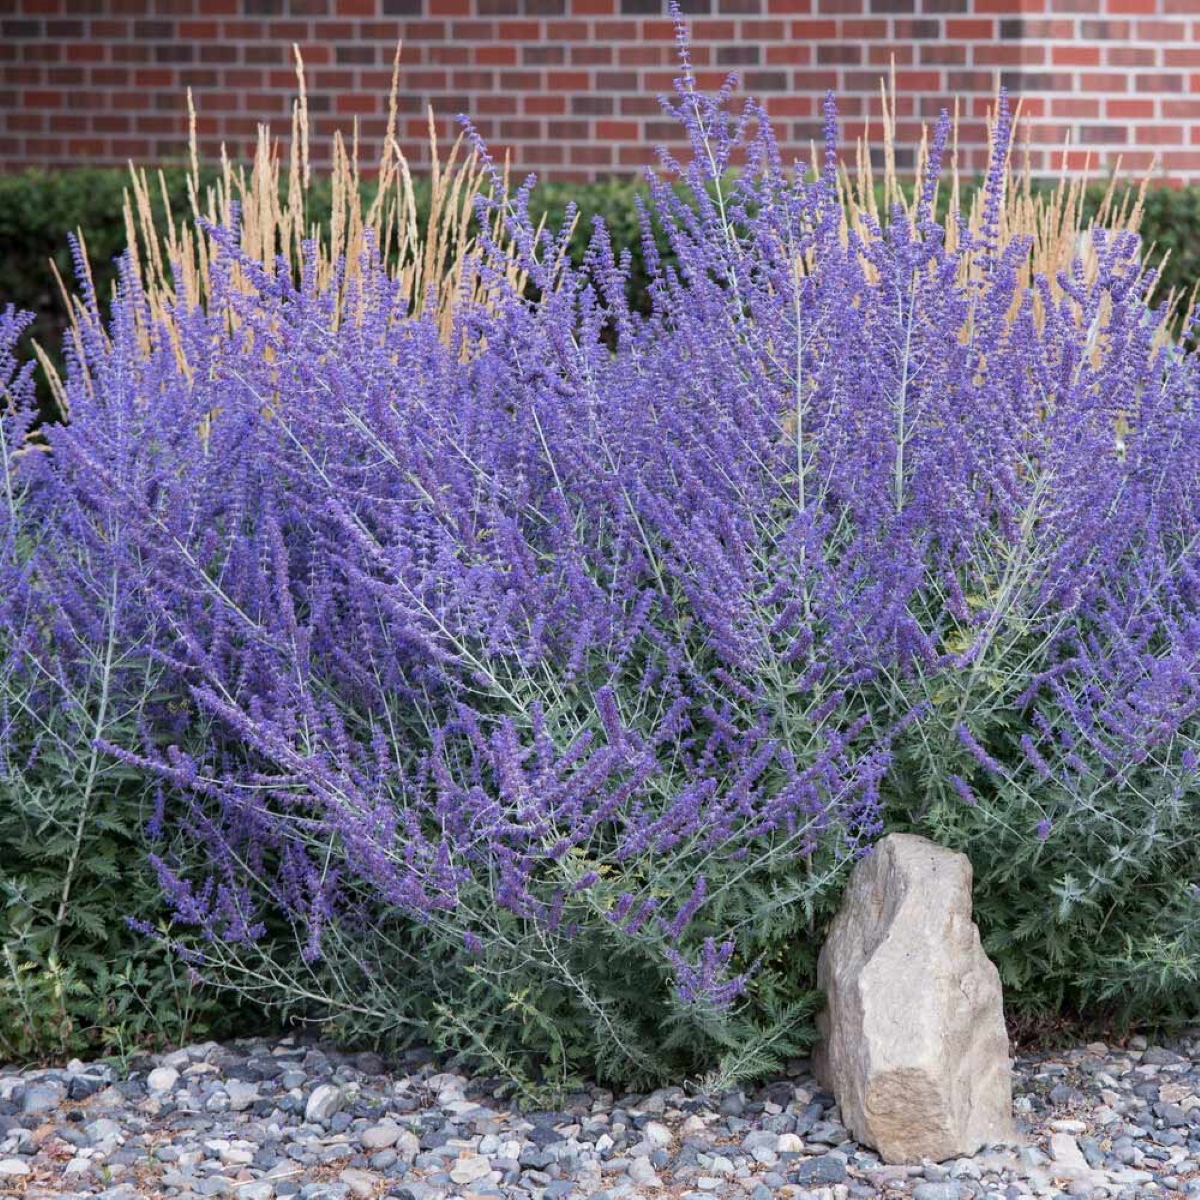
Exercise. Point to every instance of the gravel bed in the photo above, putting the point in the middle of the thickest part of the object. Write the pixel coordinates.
(261, 1119)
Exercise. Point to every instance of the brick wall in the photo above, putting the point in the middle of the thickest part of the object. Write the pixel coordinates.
(569, 85)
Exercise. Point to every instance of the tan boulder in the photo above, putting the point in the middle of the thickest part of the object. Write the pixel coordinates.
(912, 1039)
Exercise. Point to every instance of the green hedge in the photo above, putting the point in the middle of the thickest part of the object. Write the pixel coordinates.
(39, 208)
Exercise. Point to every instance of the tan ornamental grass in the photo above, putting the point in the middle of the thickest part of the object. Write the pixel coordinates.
(429, 256)
(1052, 217)
(426, 253)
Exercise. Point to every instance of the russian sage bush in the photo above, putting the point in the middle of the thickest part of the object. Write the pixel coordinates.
(528, 682)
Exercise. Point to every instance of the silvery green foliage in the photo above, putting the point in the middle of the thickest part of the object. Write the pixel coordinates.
(534, 687)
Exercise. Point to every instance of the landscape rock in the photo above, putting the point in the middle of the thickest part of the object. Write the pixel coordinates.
(241, 1095)
(937, 1191)
(825, 1169)
(643, 1173)
(162, 1079)
(43, 1096)
(381, 1136)
(913, 1041)
(323, 1102)
(360, 1183)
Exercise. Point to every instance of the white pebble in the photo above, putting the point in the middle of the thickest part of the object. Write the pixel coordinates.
(162, 1079)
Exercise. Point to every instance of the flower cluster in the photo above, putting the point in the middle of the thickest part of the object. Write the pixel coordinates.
(532, 679)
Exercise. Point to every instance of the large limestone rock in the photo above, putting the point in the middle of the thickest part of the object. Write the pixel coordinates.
(913, 1043)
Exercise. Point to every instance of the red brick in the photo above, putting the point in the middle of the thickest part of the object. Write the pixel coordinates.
(350, 103)
(205, 31)
(518, 31)
(631, 158)
(763, 32)
(1160, 135)
(885, 55)
(86, 52)
(492, 104)
(943, 53)
(1009, 54)
(1075, 56)
(615, 31)
(1165, 32)
(641, 56)
(814, 30)
(657, 30)
(1095, 81)
(1181, 110)
(794, 105)
(132, 149)
(1181, 160)
(85, 147)
(1073, 107)
(815, 81)
(1037, 27)
(1130, 56)
(470, 31)
(42, 100)
(918, 81)
(496, 56)
(616, 131)
(1131, 110)
(1161, 82)
(863, 29)
(568, 81)
(971, 29)
(638, 106)
(1008, 7)
(591, 56)
(567, 31)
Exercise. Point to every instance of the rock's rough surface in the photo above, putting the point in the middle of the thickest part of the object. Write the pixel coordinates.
(162, 1079)
(913, 1043)
(324, 1102)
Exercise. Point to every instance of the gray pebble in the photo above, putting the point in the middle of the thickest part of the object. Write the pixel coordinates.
(42, 1097)
(827, 1169)
(937, 1191)
(323, 1102)
(199, 1117)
